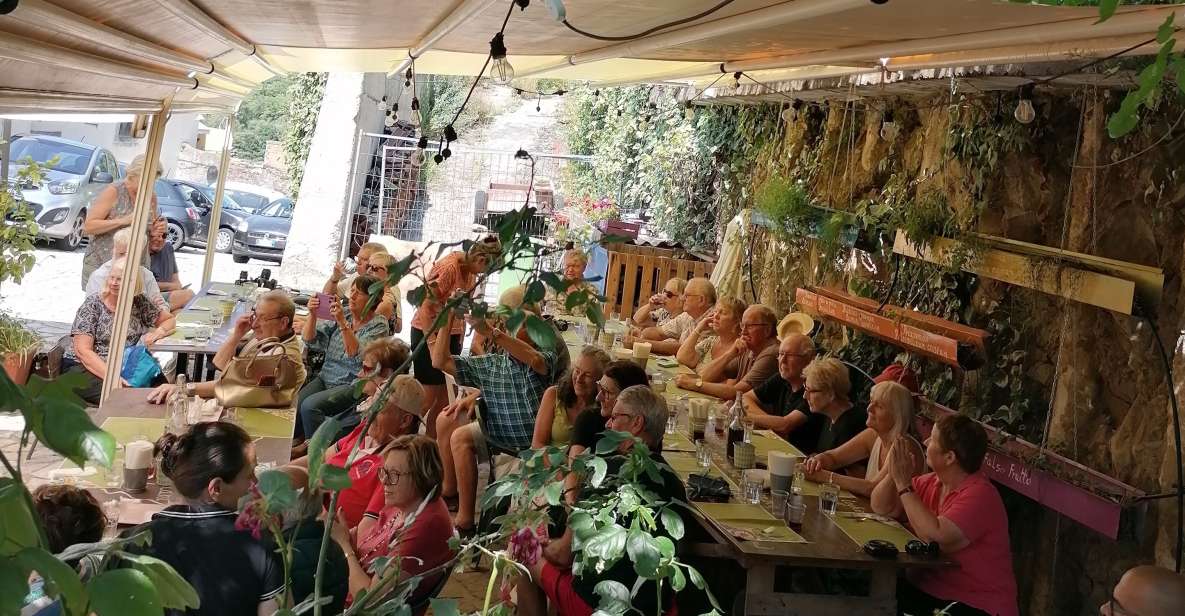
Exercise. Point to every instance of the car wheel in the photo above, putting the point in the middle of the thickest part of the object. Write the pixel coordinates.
(240, 258)
(71, 242)
(224, 239)
(176, 235)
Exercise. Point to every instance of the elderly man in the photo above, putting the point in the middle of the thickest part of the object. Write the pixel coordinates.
(756, 352)
(1147, 591)
(662, 306)
(119, 249)
(269, 321)
(698, 298)
(573, 271)
(779, 404)
(511, 378)
(339, 283)
(641, 413)
(163, 264)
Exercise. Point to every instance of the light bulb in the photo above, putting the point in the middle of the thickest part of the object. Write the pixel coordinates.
(689, 112)
(418, 157)
(500, 70)
(381, 105)
(414, 118)
(389, 121)
(1025, 114)
(889, 130)
(788, 114)
(736, 79)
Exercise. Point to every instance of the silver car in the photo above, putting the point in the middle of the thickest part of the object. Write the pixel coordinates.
(78, 173)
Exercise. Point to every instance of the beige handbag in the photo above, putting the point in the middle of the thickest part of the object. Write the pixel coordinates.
(259, 380)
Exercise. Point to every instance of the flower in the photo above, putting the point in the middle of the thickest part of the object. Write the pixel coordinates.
(253, 513)
(525, 547)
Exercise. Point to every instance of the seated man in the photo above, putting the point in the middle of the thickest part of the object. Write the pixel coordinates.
(573, 272)
(643, 414)
(756, 351)
(119, 249)
(512, 378)
(779, 404)
(163, 264)
(698, 299)
(662, 306)
(269, 321)
(1148, 591)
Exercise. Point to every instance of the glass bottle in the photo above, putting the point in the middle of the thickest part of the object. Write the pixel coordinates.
(736, 431)
(179, 411)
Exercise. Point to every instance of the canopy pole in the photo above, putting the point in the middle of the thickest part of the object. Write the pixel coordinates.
(5, 150)
(219, 191)
(463, 12)
(348, 219)
(140, 217)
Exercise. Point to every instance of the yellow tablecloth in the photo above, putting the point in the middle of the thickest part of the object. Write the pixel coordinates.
(749, 522)
(861, 529)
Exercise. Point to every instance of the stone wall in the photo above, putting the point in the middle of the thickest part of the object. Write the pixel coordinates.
(201, 166)
(1103, 393)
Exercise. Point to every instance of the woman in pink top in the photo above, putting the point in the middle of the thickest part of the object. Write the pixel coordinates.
(457, 271)
(413, 527)
(959, 508)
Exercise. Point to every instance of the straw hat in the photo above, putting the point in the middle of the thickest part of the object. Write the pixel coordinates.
(796, 323)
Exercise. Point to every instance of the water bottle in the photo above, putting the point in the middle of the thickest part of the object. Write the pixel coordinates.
(179, 411)
(736, 431)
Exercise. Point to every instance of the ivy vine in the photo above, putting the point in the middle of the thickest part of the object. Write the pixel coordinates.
(304, 103)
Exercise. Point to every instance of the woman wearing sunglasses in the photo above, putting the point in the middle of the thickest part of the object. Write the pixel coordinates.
(389, 306)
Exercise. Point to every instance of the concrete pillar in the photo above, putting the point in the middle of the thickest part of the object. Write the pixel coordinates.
(323, 208)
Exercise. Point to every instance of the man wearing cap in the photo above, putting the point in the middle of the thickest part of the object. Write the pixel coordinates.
(756, 351)
(779, 403)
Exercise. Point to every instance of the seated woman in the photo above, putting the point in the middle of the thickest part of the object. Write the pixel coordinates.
(380, 361)
(410, 475)
(573, 271)
(590, 424)
(400, 416)
(270, 321)
(331, 392)
(212, 466)
(725, 324)
(827, 392)
(959, 508)
(563, 402)
(390, 305)
(890, 418)
(94, 321)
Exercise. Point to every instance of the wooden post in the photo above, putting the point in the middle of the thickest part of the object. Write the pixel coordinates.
(127, 291)
(219, 191)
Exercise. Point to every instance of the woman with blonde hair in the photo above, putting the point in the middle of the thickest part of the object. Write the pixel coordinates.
(378, 266)
(724, 321)
(827, 391)
(890, 421)
(564, 402)
(112, 211)
(93, 324)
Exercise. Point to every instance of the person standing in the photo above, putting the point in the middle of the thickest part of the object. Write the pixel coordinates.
(112, 211)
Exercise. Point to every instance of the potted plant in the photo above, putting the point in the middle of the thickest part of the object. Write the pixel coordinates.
(18, 345)
(17, 237)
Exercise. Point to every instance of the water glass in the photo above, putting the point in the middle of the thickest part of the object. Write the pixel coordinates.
(111, 513)
(747, 424)
(672, 421)
(799, 479)
(115, 473)
(751, 486)
(829, 498)
(778, 500)
(703, 455)
(215, 318)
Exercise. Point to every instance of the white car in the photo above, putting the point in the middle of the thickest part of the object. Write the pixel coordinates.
(252, 197)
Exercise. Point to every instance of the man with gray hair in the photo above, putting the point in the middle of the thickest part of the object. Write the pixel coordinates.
(779, 404)
(756, 354)
(698, 298)
(642, 413)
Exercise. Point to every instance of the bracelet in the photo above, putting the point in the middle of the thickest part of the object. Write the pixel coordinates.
(904, 491)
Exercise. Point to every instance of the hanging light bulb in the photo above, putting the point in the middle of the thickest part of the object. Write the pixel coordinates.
(1025, 114)
(446, 153)
(736, 79)
(407, 77)
(382, 105)
(500, 70)
(439, 158)
(789, 115)
(689, 111)
(889, 128)
(414, 118)
(418, 157)
(450, 134)
(389, 119)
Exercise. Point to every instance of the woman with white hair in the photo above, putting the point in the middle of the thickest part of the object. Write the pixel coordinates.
(94, 322)
(890, 419)
(112, 211)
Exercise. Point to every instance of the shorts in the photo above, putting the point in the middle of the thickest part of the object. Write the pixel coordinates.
(422, 361)
(481, 447)
(556, 583)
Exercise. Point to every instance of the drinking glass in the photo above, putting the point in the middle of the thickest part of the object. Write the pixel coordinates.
(672, 421)
(751, 486)
(703, 456)
(799, 479)
(115, 473)
(111, 513)
(778, 499)
(829, 498)
(747, 424)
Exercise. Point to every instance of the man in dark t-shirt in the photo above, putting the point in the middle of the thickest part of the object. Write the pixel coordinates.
(779, 403)
(163, 264)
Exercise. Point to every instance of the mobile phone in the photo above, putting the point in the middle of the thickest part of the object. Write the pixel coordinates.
(323, 305)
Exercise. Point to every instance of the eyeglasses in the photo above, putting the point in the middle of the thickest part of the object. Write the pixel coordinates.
(752, 325)
(784, 354)
(367, 370)
(390, 478)
(255, 316)
(607, 392)
(670, 294)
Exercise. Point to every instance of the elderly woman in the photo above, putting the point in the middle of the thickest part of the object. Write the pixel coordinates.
(94, 322)
(959, 508)
(588, 427)
(400, 415)
(663, 306)
(827, 390)
(389, 305)
(563, 402)
(457, 271)
(112, 211)
(700, 348)
(410, 477)
(331, 392)
(890, 416)
(573, 270)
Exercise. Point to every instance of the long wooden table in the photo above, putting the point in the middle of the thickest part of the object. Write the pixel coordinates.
(822, 544)
(197, 313)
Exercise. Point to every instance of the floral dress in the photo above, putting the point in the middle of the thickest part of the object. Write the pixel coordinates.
(94, 319)
(98, 250)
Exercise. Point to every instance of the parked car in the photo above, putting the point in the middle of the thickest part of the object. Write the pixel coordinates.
(78, 173)
(202, 197)
(264, 235)
(252, 198)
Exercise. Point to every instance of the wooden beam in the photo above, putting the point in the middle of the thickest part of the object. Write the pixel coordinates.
(1074, 283)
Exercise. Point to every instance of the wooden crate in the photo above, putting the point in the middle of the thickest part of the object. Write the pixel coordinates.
(637, 272)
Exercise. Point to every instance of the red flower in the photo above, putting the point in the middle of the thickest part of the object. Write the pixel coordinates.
(525, 547)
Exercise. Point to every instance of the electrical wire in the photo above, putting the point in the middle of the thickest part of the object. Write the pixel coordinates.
(630, 37)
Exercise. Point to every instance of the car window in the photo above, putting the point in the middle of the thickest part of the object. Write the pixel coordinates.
(106, 164)
(165, 192)
(228, 202)
(69, 158)
(280, 208)
(249, 200)
(192, 195)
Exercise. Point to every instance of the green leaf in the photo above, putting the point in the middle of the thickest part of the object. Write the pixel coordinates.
(321, 441)
(696, 578)
(592, 310)
(535, 292)
(123, 592)
(444, 607)
(14, 585)
(608, 544)
(12, 398)
(672, 521)
(277, 491)
(515, 320)
(173, 590)
(614, 597)
(643, 552)
(678, 580)
(60, 579)
(57, 416)
(334, 477)
(600, 468)
(397, 270)
(610, 440)
(18, 528)
(553, 492)
(416, 296)
(541, 333)
(582, 525)
(574, 299)
(666, 547)
(553, 280)
(1107, 9)
(1164, 34)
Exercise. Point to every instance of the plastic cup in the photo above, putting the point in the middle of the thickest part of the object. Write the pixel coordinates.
(781, 469)
(642, 353)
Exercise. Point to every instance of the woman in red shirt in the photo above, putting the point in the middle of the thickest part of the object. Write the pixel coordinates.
(457, 271)
(412, 525)
(958, 507)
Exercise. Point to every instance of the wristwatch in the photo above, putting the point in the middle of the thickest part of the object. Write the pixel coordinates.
(904, 491)
(699, 382)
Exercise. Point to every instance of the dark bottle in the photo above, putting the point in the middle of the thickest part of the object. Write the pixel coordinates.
(736, 432)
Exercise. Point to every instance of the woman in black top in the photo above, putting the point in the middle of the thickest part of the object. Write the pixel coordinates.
(591, 423)
(234, 574)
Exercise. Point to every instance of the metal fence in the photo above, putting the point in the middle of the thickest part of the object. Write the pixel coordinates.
(425, 202)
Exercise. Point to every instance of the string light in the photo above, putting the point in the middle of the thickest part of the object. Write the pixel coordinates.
(790, 114)
(407, 76)
(382, 105)
(420, 155)
(1025, 114)
(889, 128)
(415, 118)
(736, 79)
(500, 70)
(689, 110)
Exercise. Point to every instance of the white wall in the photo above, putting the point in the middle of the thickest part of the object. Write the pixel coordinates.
(103, 131)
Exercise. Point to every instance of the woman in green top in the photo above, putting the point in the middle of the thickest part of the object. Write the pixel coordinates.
(564, 401)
